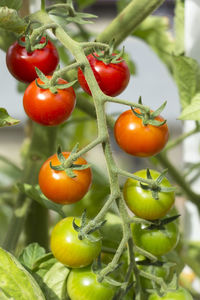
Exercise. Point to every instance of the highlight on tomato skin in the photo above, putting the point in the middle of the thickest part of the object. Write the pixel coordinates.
(46, 108)
(69, 249)
(112, 78)
(21, 64)
(58, 187)
(137, 139)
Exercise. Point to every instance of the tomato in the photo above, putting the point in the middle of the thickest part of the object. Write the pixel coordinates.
(46, 108)
(82, 284)
(58, 186)
(180, 294)
(112, 78)
(157, 242)
(21, 63)
(141, 201)
(69, 249)
(137, 139)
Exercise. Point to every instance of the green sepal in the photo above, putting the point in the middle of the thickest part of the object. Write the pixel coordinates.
(65, 86)
(70, 173)
(161, 176)
(56, 168)
(158, 111)
(98, 226)
(113, 282)
(148, 262)
(136, 113)
(156, 122)
(92, 239)
(84, 218)
(41, 75)
(80, 167)
(75, 149)
(75, 226)
(59, 154)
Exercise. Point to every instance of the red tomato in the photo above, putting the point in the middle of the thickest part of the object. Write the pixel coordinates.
(58, 186)
(21, 64)
(112, 78)
(138, 139)
(46, 108)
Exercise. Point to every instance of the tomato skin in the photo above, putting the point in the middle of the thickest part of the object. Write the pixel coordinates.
(58, 186)
(157, 242)
(68, 249)
(141, 201)
(82, 284)
(46, 108)
(180, 294)
(21, 64)
(112, 78)
(137, 139)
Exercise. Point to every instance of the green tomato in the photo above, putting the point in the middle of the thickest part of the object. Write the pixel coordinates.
(82, 284)
(157, 242)
(180, 294)
(69, 249)
(141, 201)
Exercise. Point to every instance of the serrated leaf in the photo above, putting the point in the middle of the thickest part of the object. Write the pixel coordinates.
(5, 119)
(187, 76)
(192, 111)
(15, 4)
(31, 254)
(10, 20)
(15, 281)
(179, 22)
(34, 193)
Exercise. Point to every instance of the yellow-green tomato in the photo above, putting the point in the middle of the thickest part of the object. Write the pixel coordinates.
(141, 202)
(82, 284)
(157, 242)
(69, 249)
(180, 294)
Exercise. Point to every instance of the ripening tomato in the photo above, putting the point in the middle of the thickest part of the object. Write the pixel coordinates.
(21, 63)
(46, 108)
(156, 241)
(179, 294)
(58, 186)
(141, 202)
(137, 139)
(112, 78)
(82, 284)
(69, 249)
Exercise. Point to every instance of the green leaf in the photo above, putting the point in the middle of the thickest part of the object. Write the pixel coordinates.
(192, 111)
(5, 119)
(31, 254)
(6, 39)
(10, 20)
(15, 4)
(34, 193)
(187, 76)
(154, 30)
(15, 281)
(179, 22)
(84, 3)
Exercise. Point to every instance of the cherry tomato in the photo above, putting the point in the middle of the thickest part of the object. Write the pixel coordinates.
(179, 294)
(112, 78)
(69, 249)
(58, 186)
(141, 202)
(155, 241)
(46, 108)
(82, 284)
(21, 64)
(137, 139)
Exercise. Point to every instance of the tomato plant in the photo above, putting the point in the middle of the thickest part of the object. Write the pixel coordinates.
(179, 294)
(112, 78)
(138, 139)
(82, 284)
(156, 241)
(141, 201)
(57, 186)
(46, 108)
(21, 63)
(69, 249)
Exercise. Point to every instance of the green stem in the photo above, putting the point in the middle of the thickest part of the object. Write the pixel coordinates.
(133, 104)
(63, 71)
(156, 279)
(10, 163)
(43, 5)
(130, 175)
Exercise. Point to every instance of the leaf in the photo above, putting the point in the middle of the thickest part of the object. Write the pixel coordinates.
(84, 3)
(192, 111)
(15, 281)
(5, 119)
(130, 63)
(34, 193)
(6, 39)
(10, 20)
(15, 4)
(154, 30)
(31, 254)
(179, 22)
(187, 76)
